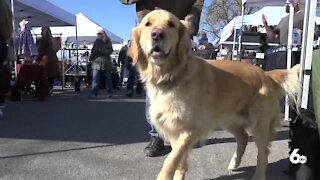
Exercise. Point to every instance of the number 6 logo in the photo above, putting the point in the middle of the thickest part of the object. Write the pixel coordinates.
(296, 158)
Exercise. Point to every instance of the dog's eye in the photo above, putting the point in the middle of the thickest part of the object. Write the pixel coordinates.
(148, 24)
(170, 24)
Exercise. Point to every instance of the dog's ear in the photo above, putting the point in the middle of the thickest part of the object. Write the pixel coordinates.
(135, 49)
(189, 26)
(184, 45)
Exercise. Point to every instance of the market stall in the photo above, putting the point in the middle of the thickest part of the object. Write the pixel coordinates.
(307, 39)
(38, 13)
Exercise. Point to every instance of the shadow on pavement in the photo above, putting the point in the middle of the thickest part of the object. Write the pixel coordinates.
(281, 135)
(52, 152)
(275, 172)
(76, 119)
(72, 117)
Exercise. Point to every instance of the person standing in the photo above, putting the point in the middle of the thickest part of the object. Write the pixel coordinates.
(101, 63)
(189, 10)
(122, 60)
(5, 34)
(280, 32)
(47, 56)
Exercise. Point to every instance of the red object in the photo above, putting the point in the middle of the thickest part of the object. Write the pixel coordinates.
(6, 79)
(28, 73)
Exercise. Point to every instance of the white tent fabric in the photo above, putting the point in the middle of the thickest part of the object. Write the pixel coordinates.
(263, 3)
(86, 27)
(42, 13)
(254, 19)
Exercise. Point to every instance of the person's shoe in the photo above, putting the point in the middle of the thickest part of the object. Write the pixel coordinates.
(129, 93)
(92, 96)
(154, 148)
(110, 95)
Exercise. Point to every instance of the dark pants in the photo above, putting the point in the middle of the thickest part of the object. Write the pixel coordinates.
(131, 79)
(3, 56)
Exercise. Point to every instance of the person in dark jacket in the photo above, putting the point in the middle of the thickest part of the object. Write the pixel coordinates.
(5, 34)
(122, 60)
(204, 49)
(189, 10)
(101, 63)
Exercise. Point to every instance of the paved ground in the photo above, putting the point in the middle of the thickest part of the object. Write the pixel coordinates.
(68, 137)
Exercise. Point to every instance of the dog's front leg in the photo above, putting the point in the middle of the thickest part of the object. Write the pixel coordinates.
(182, 168)
(176, 160)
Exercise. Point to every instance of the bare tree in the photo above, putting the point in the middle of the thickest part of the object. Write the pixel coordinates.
(218, 14)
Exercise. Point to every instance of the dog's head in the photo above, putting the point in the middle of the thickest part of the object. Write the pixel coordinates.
(159, 39)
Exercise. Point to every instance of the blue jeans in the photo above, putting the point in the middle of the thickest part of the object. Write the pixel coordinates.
(122, 70)
(96, 81)
(131, 79)
(153, 132)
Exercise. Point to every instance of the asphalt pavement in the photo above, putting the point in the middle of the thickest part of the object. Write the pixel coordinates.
(68, 137)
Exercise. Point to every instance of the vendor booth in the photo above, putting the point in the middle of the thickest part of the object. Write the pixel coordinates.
(73, 59)
(253, 20)
(37, 13)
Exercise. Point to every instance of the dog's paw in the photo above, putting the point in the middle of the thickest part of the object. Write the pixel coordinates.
(234, 163)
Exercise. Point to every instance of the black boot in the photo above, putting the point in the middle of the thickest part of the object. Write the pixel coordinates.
(155, 147)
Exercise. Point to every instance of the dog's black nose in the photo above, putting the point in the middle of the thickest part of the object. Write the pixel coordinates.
(157, 34)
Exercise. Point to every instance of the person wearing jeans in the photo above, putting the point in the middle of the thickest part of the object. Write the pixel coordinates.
(3, 56)
(122, 60)
(5, 34)
(131, 80)
(101, 63)
(189, 10)
(96, 75)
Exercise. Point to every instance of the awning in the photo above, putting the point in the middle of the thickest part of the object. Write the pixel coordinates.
(42, 13)
(263, 3)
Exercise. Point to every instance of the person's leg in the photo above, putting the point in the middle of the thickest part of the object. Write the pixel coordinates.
(130, 83)
(109, 82)
(139, 88)
(3, 56)
(156, 144)
(1, 91)
(123, 68)
(50, 84)
(95, 81)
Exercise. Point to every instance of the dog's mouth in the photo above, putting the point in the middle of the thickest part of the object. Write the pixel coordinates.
(157, 53)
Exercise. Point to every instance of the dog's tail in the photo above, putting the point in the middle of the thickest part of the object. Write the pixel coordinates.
(287, 81)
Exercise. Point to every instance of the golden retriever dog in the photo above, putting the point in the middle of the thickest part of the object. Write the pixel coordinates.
(191, 97)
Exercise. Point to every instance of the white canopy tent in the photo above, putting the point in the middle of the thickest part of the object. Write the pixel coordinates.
(86, 27)
(41, 13)
(254, 20)
(307, 42)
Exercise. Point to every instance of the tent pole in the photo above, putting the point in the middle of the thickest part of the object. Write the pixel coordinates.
(14, 39)
(241, 32)
(77, 78)
(289, 54)
(307, 48)
(303, 55)
(234, 38)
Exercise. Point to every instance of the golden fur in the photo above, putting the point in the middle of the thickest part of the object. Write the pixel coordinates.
(191, 97)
